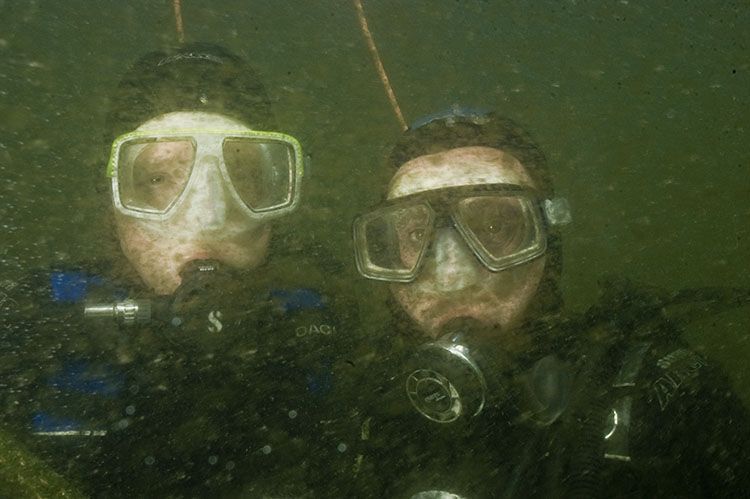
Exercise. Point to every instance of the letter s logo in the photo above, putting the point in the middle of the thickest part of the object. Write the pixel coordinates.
(213, 318)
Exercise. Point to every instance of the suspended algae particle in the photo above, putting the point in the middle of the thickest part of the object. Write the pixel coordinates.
(358, 463)
(365, 430)
(24, 475)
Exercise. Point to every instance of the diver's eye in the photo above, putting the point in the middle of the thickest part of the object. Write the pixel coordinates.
(416, 235)
(156, 179)
(493, 227)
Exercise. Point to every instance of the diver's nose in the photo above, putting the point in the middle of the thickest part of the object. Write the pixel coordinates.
(208, 203)
(452, 265)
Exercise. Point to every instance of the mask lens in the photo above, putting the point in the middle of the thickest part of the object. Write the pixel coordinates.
(504, 229)
(390, 243)
(153, 173)
(261, 171)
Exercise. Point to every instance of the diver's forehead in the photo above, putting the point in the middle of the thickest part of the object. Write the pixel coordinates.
(458, 167)
(192, 119)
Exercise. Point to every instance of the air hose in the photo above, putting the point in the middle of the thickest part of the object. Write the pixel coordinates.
(626, 307)
(587, 420)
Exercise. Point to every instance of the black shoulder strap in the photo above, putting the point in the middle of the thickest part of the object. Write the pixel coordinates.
(631, 306)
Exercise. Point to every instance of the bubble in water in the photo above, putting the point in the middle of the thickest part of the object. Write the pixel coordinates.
(130, 410)
(342, 447)
(266, 449)
(292, 414)
(213, 460)
(149, 460)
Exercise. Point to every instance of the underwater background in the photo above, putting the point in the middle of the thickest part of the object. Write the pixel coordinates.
(641, 108)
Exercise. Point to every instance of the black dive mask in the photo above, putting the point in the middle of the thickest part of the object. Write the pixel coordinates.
(504, 225)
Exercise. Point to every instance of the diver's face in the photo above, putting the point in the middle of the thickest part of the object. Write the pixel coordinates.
(207, 225)
(453, 283)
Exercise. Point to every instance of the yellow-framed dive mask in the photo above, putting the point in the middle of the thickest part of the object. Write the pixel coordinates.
(152, 172)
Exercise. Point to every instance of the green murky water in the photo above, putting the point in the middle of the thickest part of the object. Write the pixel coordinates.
(641, 107)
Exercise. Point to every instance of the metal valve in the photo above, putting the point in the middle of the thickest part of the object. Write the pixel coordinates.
(128, 311)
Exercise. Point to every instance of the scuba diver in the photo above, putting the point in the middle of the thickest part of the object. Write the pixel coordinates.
(487, 386)
(192, 367)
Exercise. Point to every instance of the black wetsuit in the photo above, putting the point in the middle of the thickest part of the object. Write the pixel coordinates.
(249, 400)
(645, 416)
(279, 403)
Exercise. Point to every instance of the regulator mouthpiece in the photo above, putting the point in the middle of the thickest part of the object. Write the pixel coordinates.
(199, 277)
(466, 372)
(444, 381)
(208, 290)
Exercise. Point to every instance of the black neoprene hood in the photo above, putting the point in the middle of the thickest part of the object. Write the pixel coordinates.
(491, 130)
(196, 77)
(488, 130)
